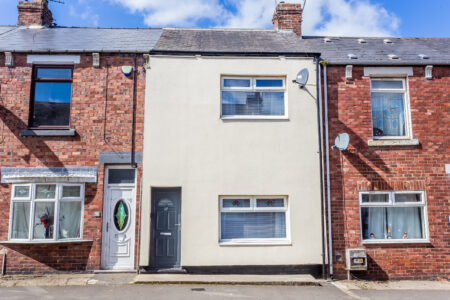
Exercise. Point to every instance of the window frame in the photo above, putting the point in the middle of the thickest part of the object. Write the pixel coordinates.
(58, 199)
(391, 203)
(35, 79)
(406, 106)
(254, 88)
(254, 208)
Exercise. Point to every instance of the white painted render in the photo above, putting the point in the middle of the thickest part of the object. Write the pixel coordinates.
(188, 145)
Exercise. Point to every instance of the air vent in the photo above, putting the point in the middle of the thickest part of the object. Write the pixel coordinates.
(362, 41)
(387, 41)
(423, 56)
(352, 56)
(392, 56)
(327, 40)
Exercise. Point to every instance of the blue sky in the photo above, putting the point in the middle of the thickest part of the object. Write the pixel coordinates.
(407, 18)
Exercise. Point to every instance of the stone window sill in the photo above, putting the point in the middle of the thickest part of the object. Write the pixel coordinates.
(23, 242)
(47, 132)
(393, 142)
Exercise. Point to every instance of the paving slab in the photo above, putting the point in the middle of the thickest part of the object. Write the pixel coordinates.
(394, 285)
(297, 280)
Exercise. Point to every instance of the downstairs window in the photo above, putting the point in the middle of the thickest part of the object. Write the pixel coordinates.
(253, 220)
(47, 211)
(393, 216)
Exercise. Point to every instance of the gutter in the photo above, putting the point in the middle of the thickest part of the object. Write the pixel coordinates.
(231, 53)
(327, 155)
(322, 180)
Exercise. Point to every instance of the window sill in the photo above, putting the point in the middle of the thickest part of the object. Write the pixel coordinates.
(261, 243)
(47, 132)
(395, 241)
(25, 242)
(249, 118)
(393, 142)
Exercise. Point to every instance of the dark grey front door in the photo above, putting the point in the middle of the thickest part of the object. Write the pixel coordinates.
(166, 226)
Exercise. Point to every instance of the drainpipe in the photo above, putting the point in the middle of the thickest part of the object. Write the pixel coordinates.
(327, 154)
(322, 181)
(133, 113)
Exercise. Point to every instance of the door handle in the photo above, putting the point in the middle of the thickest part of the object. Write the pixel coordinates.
(177, 224)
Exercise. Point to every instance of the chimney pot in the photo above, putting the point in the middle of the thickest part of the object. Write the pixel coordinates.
(288, 16)
(34, 12)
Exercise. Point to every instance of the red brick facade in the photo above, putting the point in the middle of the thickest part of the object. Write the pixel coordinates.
(364, 168)
(101, 114)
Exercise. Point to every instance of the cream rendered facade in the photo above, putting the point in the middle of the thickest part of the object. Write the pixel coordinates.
(187, 144)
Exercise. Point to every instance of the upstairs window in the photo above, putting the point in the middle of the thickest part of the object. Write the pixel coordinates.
(50, 105)
(253, 97)
(389, 108)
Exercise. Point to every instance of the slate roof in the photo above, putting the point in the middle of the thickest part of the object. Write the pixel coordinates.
(78, 39)
(373, 51)
(231, 41)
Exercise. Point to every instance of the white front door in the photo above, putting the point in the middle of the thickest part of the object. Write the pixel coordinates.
(119, 210)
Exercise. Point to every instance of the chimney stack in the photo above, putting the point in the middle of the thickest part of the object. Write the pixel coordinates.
(34, 12)
(288, 16)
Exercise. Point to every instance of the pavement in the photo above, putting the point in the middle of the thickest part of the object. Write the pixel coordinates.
(188, 286)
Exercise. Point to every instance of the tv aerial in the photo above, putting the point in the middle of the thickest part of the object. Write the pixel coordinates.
(57, 1)
(341, 142)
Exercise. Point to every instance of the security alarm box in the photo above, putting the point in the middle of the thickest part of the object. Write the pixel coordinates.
(356, 259)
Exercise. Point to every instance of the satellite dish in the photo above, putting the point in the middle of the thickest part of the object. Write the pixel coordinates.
(302, 78)
(341, 142)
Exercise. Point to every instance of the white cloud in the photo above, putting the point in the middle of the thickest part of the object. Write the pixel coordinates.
(321, 17)
(87, 14)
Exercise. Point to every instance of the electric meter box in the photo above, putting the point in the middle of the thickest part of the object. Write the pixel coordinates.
(356, 259)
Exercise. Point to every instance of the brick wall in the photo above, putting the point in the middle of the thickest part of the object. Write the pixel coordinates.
(391, 168)
(288, 16)
(101, 110)
(34, 12)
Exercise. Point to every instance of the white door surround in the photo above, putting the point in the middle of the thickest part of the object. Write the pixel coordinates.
(119, 218)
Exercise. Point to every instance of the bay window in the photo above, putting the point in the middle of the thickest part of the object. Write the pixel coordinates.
(393, 216)
(46, 211)
(253, 220)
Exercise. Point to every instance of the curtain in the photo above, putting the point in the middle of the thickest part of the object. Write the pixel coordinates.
(252, 103)
(388, 114)
(392, 222)
(69, 220)
(20, 222)
(407, 220)
(253, 225)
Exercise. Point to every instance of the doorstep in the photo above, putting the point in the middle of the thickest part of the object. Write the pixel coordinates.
(299, 280)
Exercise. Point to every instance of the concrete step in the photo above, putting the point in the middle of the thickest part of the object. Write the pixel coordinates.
(297, 280)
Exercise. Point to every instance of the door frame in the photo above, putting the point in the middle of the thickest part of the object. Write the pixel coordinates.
(153, 224)
(105, 216)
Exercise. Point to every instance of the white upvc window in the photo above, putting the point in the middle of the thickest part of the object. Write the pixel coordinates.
(253, 98)
(46, 212)
(393, 217)
(390, 108)
(254, 220)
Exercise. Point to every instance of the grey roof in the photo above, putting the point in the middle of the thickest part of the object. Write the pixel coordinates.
(373, 51)
(231, 41)
(78, 39)
(376, 52)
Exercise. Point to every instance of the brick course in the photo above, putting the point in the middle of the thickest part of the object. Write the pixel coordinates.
(364, 168)
(101, 110)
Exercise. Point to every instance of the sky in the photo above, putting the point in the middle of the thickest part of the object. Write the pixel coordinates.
(403, 18)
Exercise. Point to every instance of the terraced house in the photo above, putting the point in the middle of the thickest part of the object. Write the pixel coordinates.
(223, 150)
